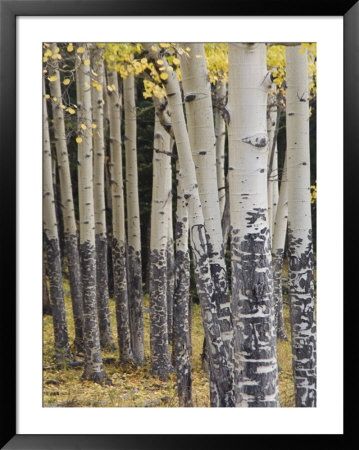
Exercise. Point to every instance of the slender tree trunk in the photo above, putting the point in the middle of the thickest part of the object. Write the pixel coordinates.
(161, 364)
(252, 283)
(93, 359)
(300, 245)
(220, 130)
(118, 223)
(181, 301)
(102, 293)
(279, 234)
(67, 205)
(199, 113)
(219, 365)
(52, 248)
(46, 305)
(133, 223)
(273, 192)
(170, 256)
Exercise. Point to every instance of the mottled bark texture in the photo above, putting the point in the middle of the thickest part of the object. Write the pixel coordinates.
(133, 223)
(160, 357)
(67, 204)
(102, 292)
(52, 249)
(121, 297)
(170, 269)
(118, 223)
(53, 262)
(93, 359)
(181, 300)
(278, 243)
(300, 246)
(136, 304)
(201, 131)
(46, 305)
(252, 283)
(161, 365)
(73, 264)
(219, 365)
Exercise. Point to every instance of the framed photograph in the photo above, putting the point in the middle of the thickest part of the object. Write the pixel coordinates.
(35, 417)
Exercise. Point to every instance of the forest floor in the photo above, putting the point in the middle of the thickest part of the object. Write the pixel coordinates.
(136, 387)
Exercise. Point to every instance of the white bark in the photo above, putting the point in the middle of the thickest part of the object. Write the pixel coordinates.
(133, 222)
(93, 359)
(99, 202)
(220, 129)
(217, 354)
(51, 245)
(278, 243)
(67, 203)
(199, 113)
(252, 285)
(300, 246)
(273, 192)
(118, 222)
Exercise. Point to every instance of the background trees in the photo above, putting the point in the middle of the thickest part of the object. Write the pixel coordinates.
(171, 102)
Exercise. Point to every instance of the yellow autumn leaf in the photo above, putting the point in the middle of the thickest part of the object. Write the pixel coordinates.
(79, 139)
(160, 62)
(99, 87)
(52, 78)
(71, 111)
(87, 62)
(164, 45)
(54, 99)
(70, 47)
(176, 61)
(154, 48)
(164, 76)
(66, 81)
(83, 126)
(81, 50)
(93, 125)
(47, 96)
(63, 106)
(302, 50)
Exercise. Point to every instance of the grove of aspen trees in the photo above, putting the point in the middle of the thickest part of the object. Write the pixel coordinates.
(179, 224)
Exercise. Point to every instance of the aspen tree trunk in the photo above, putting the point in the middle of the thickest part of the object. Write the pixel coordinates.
(199, 113)
(273, 192)
(93, 359)
(181, 312)
(220, 130)
(252, 283)
(67, 204)
(118, 222)
(133, 223)
(52, 248)
(300, 245)
(46, 305)
(170, 255)
(161, 364)
(102, 292)
(279, 234)
(218, 359)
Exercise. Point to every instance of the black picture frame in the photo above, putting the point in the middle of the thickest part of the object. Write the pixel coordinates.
(9, 11)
